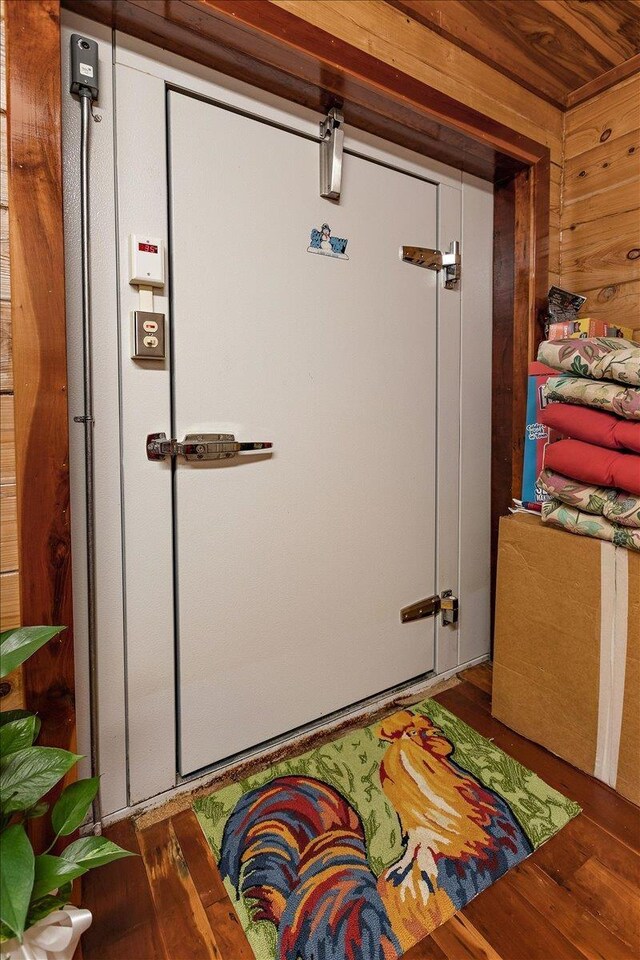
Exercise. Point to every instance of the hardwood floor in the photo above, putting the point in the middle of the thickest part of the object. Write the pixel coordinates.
(576, 897)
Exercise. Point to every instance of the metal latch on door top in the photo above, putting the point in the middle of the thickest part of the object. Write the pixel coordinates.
(445, 604)
(201, 446)
(450, 262)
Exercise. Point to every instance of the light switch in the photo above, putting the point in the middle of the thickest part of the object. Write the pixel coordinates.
(147, 335)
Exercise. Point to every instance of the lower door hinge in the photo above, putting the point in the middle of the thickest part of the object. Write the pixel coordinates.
(445, 604)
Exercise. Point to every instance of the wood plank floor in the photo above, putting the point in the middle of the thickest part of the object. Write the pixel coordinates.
(577, 897)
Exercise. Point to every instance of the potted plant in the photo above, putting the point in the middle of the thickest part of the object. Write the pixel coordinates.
(36, 920)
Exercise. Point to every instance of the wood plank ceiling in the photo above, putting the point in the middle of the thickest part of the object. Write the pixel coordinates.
(553, 48)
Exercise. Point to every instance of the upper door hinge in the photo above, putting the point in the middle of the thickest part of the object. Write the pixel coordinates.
(445, 604)
(450, 262)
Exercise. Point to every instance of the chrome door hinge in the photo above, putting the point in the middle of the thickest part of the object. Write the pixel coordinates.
(200, 446)
(331, 146)
(445, 604)
(450, 262)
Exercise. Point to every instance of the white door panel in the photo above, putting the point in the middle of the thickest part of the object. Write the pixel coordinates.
(292, 568)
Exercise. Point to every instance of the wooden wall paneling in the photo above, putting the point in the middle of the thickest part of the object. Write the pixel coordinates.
(555, 203)
(8, 528)
(602, 170)
(39, 341)
(616, 303)
(3, 60)
(7, 440)
(5, 279)
(6, 348)
(11, 687)
(393, 38)
(601, 251)
(10, 607)
(605, 118)
(11, 690)
(4, 189)
(600, 221)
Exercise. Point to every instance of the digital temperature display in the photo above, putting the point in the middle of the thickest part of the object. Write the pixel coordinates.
(147, 248)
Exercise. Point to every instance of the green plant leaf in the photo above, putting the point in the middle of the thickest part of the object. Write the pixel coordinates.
(16, 877)
(94, 852)
(16, 646)
(52, 873)
(8, 716)
(38, 811)
(71, 807)
(43, 907)
(18, 734)
(25, 776)
(39, 909)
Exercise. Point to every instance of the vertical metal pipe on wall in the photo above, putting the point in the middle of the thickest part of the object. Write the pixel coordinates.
(86, 94)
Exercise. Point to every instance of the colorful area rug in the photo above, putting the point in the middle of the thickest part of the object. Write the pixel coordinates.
(359, 848)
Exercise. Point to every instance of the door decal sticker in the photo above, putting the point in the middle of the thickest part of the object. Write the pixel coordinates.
(323, 243)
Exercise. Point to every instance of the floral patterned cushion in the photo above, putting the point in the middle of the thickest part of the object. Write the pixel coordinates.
(596, 358)
(568, 518)
(624, 401)
(616, 505)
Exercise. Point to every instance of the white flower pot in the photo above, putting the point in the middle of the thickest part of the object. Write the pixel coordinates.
(53, 938)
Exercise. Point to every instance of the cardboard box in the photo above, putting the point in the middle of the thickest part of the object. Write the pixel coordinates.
(567, 648)
(585, 327)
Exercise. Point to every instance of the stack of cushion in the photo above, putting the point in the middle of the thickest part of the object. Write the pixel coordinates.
(593, 476)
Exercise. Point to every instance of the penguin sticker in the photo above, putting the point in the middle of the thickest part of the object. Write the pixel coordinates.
(327, 246)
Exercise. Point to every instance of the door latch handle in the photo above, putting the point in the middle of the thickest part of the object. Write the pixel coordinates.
(201, 446)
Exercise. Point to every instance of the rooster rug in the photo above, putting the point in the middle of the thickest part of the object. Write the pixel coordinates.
(359, 848)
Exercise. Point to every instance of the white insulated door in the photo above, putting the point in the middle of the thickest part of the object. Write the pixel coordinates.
(292, 568)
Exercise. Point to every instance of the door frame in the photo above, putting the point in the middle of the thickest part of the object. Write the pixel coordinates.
(273, 50)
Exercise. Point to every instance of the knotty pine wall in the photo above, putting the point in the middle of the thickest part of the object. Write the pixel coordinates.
(600, 216)
(11, 687)
(396, 39)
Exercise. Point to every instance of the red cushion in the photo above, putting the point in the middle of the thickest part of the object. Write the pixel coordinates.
(593, 426)
(592, 464)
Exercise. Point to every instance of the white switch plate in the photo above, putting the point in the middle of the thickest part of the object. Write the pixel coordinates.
(146, 260)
